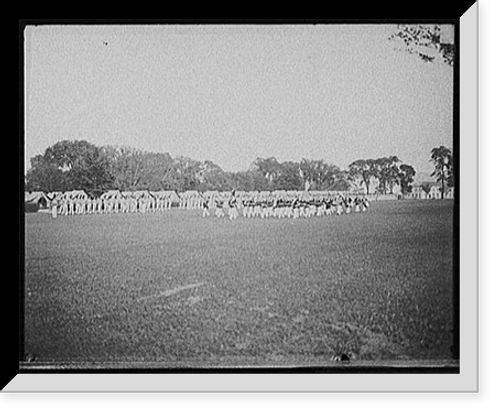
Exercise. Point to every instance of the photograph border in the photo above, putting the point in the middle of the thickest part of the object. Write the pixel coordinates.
(460, 148)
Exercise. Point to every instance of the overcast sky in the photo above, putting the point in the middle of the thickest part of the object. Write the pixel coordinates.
(231, 94)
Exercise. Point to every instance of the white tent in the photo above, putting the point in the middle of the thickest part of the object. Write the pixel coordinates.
(54, 195)
(111, 194)
(141, 194)
(172, 195)
(165, 195)
(37, 197)
(190, 194)
(75, 195)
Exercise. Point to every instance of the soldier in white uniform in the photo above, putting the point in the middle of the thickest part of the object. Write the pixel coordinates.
(206, 211)
(219, 208)
(63, 207)
(54, 208)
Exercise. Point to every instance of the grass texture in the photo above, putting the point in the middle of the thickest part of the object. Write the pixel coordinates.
(174, 288)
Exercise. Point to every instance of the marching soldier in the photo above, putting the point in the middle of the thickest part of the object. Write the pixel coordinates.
(63, 207)
(295, 208)
(54, 208)
(245, 208)
(219, 210)
(206, 211)
(365, 204)
(233, 212)
(99, 205)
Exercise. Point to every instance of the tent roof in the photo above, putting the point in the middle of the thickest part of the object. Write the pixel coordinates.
(34, 196)
(165, 194)
(172, 195)
(189, 193)
(74, 194)
(111, 194)
(141, 193)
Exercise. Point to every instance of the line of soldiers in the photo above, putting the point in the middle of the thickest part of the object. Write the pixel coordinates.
(233, 206)
(72, 206)
(285, 207)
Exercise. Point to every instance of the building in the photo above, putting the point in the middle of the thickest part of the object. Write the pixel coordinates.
(418, 191)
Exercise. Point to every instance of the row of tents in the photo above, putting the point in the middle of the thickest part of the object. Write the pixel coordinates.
(43, 200)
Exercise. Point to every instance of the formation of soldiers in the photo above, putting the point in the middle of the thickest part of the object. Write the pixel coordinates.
(290, 207)
(98, 205)
(221, 205)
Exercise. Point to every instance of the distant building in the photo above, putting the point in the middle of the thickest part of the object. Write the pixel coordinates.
(418, 192)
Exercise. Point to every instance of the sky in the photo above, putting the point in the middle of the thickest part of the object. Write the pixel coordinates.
(232, 93)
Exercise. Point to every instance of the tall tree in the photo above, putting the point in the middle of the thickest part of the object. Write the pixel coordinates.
(406, 176)
(387, 173)
(318, 175)
(45, 176)
(269, 168)
(342, 182)
(288, 177)
(364, 170)
(69, 165)
(212, 177)
(251, 180)
(442, 159)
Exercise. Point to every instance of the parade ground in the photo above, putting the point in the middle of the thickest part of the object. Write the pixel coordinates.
(174, 288)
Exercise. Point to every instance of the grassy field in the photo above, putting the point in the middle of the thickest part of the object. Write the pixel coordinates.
(178, 289)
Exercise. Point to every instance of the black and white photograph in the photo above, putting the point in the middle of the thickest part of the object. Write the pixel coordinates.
(241, 197)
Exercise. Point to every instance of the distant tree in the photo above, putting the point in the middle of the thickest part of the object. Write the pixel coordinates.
(70, 165)
(317, 174)
(189, 171)
(134, 169)
(406, 176)
(45, 176)
(214, 178)
(288, 177)
(425, 41)
(387, 173)
(307, 173)
(251, 180)
(342, 183)
(442, 159)
(269, 168)
(364, 170)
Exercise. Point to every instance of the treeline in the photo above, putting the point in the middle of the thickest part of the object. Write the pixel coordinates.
(69, 165)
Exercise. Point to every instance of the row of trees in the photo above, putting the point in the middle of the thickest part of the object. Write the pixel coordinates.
(69, 165)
